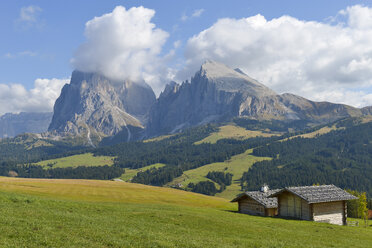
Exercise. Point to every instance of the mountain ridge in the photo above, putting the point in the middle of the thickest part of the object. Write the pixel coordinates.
(217, 93)
(94, 107)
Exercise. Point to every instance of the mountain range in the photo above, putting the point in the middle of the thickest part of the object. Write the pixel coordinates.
(218, 93)
(14, 124)
(98, 108)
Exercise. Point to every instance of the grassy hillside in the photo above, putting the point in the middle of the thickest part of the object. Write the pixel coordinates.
(81, 213)
(314, 134)
(159, 138)
(130, 173)
(233, 132)
(237, 165)
(108, 191)
(86, 159)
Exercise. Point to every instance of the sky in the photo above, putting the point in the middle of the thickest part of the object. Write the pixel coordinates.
(320, 50)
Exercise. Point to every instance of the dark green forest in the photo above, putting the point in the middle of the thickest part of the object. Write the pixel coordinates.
(342, 157)
(209, 188)
(178, 153)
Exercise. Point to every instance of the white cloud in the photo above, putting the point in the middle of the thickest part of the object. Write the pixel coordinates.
(320, 61)
(20, 54)
(41, 98)
(29, 17)
(196, 13)
(29, 13)
(123, 44)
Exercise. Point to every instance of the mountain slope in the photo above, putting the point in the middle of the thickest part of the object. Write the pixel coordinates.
(13, 124)
(217, 93)
(93, 105)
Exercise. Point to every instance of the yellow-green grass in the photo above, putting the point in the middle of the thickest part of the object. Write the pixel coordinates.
(108, 191)
(86, 159)
(159, 138)
(233, 132)
(130, 173)
(38, 143)
(321, 131)
(82, 213)
(237, 165)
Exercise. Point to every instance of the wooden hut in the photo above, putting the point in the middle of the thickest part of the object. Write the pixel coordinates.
(370, 214)
(325, 203)
(258, 202)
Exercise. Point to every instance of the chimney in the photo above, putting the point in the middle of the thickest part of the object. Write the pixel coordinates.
(264, 188)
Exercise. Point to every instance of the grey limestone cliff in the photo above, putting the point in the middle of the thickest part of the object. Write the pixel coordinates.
(218, 93)
(93, 105)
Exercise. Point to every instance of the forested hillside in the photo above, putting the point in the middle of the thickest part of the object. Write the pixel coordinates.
(178, 153)
(342, 157)
(340, 153)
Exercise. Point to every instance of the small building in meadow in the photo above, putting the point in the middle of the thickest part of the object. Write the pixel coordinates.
(258, 202)
(326, 203)
(370, 214)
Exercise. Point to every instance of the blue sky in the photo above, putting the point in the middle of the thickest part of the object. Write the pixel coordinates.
(39, 39)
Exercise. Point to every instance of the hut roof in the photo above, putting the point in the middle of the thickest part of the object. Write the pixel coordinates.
(260, 197)
(317, 194)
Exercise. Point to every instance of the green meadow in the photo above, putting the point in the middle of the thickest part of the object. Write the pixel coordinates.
(86, 159)
(237, 165)
(89, 213)
(233, 132)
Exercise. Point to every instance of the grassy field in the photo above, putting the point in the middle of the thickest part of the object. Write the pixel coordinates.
(86, 159)
(321, 131)
(82, 213)
(233, 132)
(159, 138)
(237, 165)
(130, 173)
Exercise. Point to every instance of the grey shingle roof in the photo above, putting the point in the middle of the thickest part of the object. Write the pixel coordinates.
(317, 194)
(261, 197)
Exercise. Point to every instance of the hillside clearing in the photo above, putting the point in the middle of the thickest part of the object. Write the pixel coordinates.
(159, 138)
(321, 131)
(233, 132)
(86, 159)
(237, 165)
(130, 173)
(84, 213)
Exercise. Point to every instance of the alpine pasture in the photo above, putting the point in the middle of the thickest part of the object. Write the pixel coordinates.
(90, 213)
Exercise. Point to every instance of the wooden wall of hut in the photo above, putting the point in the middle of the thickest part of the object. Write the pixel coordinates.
(292, 206)
(249, 206)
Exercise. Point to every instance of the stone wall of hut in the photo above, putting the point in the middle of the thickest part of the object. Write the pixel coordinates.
(330, 212)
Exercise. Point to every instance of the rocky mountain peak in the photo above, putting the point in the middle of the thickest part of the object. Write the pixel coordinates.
(94, 105)
(230, 80)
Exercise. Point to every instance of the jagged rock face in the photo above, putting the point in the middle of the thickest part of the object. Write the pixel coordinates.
(13, 124)
(218, 93)
(93, 104)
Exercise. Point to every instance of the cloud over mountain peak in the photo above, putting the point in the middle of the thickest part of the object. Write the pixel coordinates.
(123, 44)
